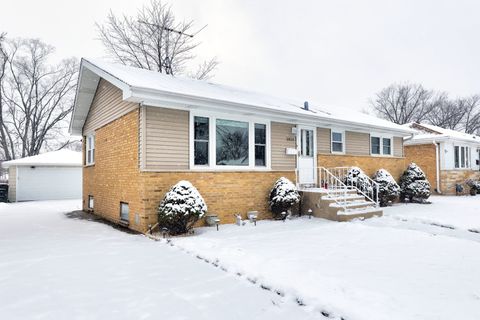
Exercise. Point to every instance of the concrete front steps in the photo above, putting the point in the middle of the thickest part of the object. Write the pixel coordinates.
(331, 206)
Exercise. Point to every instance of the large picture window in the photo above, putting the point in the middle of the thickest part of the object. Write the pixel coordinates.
(236, 143)
(462, 157)
(232, 143)
(200, 140)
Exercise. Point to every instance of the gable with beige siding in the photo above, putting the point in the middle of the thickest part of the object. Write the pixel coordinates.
(107, 106)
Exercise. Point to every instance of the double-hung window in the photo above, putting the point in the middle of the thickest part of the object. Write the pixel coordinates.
(200, 140)
(462, 157)
(220, 142)
(337, 141)
(90, 150)
(380, 145)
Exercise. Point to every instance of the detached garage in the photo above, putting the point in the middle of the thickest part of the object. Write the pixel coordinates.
(48, 176)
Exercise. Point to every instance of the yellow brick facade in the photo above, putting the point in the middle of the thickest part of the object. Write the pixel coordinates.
(369, 164)
(116, 177)
(425, 156)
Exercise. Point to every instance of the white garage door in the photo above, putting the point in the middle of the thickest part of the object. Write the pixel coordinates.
(48, 183)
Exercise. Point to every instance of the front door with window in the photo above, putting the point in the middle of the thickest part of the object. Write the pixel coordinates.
(306, 157)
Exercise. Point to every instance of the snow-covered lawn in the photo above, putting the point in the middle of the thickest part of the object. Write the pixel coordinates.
(56, 267)
(457, 212)
(372, 269)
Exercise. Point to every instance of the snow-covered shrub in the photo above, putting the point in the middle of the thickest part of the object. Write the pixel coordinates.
(356, 177)
(283, 197)
(181, 207)
(414, 185)
(474, 186)
(388, 189)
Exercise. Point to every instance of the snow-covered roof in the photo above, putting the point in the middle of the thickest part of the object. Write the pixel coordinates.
(426, 133)
(157, 89)
(61, 158)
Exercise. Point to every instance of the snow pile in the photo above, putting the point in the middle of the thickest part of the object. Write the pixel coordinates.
(356, 177)
(54, 267)
(474, 186)
(414, 185)
(283, 196)
(388, 189)
(352, 270)
(181, 207)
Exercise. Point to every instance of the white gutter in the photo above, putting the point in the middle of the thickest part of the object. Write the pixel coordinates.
(437, 162)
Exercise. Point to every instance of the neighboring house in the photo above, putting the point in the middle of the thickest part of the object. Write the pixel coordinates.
(448, 157)
(47, 176)
(143, 131)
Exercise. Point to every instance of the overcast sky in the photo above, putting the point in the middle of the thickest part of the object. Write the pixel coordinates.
(331, 52)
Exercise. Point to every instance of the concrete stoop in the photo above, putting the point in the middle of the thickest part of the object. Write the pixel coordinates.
(327, 207)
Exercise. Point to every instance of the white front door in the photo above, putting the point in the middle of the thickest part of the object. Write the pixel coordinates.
(306, 156)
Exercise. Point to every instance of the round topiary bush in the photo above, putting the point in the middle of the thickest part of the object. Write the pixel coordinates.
(357, 178)
(414, 185)
(388, 189)
(181, 207)
(283, 197)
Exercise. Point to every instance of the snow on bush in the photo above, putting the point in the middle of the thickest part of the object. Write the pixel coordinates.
(283, 196)
(474, 186)
(388, 189)
(356, 177)
(414, 185)
(181, 207)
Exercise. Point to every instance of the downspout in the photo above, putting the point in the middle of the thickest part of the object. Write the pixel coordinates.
(437, 156)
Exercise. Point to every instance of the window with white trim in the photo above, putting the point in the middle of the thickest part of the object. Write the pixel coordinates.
(260, 145)
(200, 140)
(337, 141)
(231, 143)
(124, 211)
(380, 145)
(90, 150)
(462, 157)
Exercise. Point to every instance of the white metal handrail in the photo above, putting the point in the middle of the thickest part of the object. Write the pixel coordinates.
(369, 190)
(333, 186)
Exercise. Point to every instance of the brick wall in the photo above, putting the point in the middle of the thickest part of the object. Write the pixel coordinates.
(449, 178)
(424, 156)
(369, 164)
(116, 177)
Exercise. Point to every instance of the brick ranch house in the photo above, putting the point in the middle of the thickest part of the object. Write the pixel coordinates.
(144, 131)
(448, 157)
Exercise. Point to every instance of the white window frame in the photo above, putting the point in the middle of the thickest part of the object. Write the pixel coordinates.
(122, 205)
(466, 151)
(381, 137)
(92, 203)
(90, 146)
(342, 132)
(212, 145)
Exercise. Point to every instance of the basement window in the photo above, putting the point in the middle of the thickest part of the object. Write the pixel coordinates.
(124, 211)
(90, 202)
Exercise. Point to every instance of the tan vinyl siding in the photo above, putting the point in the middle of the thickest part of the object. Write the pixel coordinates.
(323, 140)
(398, 146)
(357, 143)
(12, 184)
(166, 143)
(107, 105)
(282, 138)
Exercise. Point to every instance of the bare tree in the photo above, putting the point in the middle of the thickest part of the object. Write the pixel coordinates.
(403, 103)
(35, 98)
(154, 40)
(471, 107)
(446, 113)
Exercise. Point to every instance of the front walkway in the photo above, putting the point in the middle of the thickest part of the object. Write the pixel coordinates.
(58, 267)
